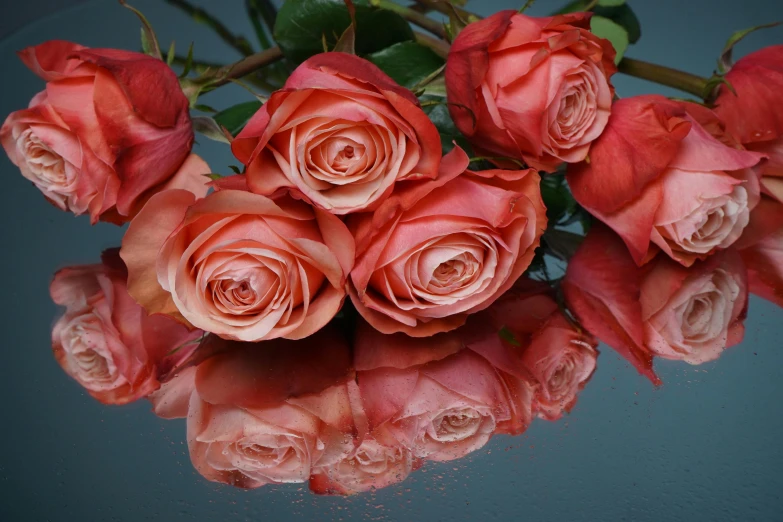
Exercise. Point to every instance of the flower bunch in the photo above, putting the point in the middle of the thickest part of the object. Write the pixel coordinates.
(372, 288)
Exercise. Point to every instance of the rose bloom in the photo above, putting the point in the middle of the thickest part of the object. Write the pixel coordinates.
(761, 247)
(753, 114)
(436, 252)
(106, 341)
(560, 358)
(662, 309)
(238, 264)
(535, 89)
(372, 465)
(111, 128)
(266, 414)
(436, 396)
(656, 176)
(342, 133)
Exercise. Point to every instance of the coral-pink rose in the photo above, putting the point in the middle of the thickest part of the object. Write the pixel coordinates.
(106, 341)
(372, 465)
(535, 89)
(438, 251)
(266, 414)
(752, 111)
(111, 128)
(761, 247)
(559, 357)
(657, 177)
(341, 133)
(661, 309)
(439, 396)
(238, 264)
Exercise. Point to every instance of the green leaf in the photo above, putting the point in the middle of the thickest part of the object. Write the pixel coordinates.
(170, 55)
(439, 114)
(408, 63)
(235, 118)
(508, 336)
(615, 33)
(303, 26)
(208, 127)
(557, 198)
(725, 61)
(149, 42)
(619, 12)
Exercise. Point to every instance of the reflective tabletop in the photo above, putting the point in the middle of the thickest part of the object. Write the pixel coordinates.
(704, 446)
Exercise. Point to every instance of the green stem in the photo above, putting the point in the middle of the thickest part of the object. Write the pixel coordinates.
(256, 15)
(414, 17)
(239, 43)
(438, 46)
(447, 8)
(660, 74)
(247, 65)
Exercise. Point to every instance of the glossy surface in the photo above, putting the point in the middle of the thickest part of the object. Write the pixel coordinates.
(704, 446)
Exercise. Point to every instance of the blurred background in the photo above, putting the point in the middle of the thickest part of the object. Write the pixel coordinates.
(703, 447)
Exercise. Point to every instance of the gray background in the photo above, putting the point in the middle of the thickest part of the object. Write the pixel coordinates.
(704, 447)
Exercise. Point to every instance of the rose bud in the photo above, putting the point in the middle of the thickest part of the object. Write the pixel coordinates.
(656, 176)
(266, 414)
(110, 129)
(438, 251)
(661, 309)
(372, 465)
(753, 114)
(106, 341)
(535, 89)
(437, 396)
(238, 264)
(342, 133)
(560, 358)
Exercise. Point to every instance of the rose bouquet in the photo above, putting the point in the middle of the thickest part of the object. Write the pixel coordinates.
(436, 218)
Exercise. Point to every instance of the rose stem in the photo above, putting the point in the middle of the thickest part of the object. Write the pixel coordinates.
(414, 17)
(660, 74)
(447, 8)
(240, 43)
(202, 67)
(246, 66)
(439, 47)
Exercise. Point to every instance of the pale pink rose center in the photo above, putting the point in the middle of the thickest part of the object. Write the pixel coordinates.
(46, 169)
(455, 425)
(266, 458)
(695, 323)
(573, 368)
(89, 360)
(372, 465)
(716, 223)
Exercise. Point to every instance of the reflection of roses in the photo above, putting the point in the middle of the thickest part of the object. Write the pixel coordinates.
(436, 398)
(342, 133)
(238, 264)
(106, 341)
(111, 128)
(433, 254)
(372, 465)
(560, 358)
(664, 309)
(266, 414)
(657, 176)
(536, 89)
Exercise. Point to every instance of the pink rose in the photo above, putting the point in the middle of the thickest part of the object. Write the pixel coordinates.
(535, 89)
(762, 250)
(106, 341)
(661, 309)
(372, 465)
(438, 251)
(656, 176)
(440, 397)
(111, 128)
(560, 358)
(753, 114)
(238, 264)
(342, 133)
(266, 414)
